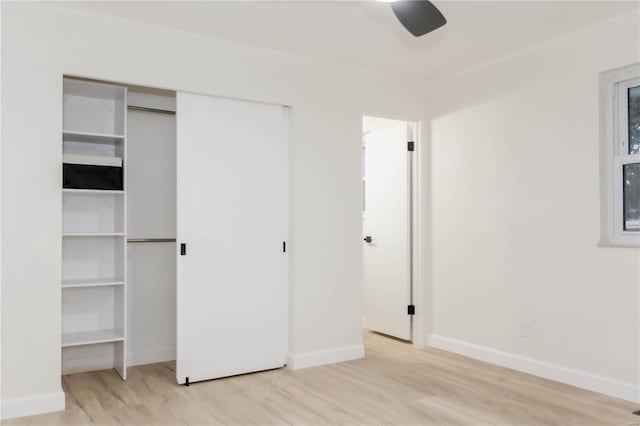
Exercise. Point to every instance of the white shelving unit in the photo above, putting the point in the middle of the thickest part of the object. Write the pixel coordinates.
(94, 230)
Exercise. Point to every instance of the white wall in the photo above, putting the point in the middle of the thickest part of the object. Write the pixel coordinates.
(42, 42)
(516, 215)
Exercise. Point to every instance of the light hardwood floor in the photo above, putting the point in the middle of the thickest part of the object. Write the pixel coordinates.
(396, 384)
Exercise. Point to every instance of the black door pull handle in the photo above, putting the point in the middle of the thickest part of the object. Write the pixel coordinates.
(368, 239)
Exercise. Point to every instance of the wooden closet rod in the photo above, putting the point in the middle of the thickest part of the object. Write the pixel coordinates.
(146, 109)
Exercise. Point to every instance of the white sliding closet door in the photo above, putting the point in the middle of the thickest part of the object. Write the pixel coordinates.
(232, 216)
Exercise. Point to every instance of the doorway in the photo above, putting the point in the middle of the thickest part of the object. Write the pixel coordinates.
(388, 150)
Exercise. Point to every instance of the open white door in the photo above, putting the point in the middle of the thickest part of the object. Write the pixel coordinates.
(232, 218)
(387, 286)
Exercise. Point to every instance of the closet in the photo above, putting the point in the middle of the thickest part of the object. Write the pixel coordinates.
(174, 231)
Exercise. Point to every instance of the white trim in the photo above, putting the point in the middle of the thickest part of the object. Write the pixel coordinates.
(287, 225)
(421, 258)
(613, 151)
(570, 376)
(329, 356)
(31, 405)
(417, 292)
(150, 357)
(88, 363)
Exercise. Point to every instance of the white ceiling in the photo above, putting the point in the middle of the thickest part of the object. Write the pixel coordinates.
(366, 33)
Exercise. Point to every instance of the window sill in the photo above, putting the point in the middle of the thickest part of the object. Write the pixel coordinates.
(618, 244)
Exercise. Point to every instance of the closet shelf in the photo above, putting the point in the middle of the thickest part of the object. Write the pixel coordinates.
(92, 160)
(91, 191)
(92, 137)
(92, 337)
(93, 234)
(92, 89)
(96, 282)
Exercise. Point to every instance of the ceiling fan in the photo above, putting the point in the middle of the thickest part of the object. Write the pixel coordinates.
(419, 17)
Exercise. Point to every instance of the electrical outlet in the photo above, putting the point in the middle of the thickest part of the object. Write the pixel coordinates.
(525, 328)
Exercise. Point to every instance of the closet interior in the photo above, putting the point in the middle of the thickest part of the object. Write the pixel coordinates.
(119, 226)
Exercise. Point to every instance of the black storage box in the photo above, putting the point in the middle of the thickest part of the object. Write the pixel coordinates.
(82, 176)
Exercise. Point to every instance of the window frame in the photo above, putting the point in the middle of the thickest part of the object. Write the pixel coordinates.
(615, 154)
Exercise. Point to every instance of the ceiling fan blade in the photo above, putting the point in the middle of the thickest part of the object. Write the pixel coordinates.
(418, 16)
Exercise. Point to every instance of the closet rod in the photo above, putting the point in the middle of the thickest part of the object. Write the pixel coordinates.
(151, 240)
(147, 109)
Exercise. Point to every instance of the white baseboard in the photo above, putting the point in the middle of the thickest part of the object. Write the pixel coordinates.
(150, 357)
(329, 356)
(578, 378)
(29, 406)
(85, 364)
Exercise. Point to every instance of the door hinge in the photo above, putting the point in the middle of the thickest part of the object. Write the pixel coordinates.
(183, 249)
(411, 146)
(284, 246)
(411, 310)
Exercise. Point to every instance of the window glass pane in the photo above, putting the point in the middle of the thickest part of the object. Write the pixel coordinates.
(634, 120)
(631, 192)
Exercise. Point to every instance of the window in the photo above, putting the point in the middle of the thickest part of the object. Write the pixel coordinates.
(621, 156)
